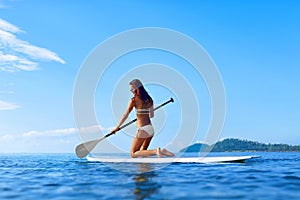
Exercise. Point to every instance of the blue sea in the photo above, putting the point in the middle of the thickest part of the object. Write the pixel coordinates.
(63, 176)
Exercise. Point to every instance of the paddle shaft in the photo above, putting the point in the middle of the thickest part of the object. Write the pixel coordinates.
(132, 121)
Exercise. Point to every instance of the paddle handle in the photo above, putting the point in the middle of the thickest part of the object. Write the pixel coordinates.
(132, 121)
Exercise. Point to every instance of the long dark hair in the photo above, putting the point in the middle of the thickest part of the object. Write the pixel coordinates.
(143, 93)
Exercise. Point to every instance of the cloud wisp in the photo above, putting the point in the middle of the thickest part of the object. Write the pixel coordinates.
(19, 55)
(57, 133)
(8, 106)
(16, 54)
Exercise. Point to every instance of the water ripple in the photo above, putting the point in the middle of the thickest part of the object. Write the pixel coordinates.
(62, 176)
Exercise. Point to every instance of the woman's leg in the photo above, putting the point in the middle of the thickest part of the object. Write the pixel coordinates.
(146, 143)
(139, 147)
(165, 152)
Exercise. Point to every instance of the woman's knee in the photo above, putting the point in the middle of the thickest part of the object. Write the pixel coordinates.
(132, 154)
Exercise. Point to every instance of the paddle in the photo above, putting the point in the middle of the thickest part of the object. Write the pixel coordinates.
(85, 148)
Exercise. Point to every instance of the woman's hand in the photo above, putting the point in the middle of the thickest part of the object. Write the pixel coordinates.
(115, 130)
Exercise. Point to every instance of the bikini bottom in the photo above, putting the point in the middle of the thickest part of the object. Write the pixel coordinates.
(145, 131)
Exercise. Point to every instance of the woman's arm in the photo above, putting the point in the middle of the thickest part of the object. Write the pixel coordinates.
(125, 115)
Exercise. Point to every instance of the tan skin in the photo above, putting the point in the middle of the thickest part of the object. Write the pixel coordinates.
(140, 144)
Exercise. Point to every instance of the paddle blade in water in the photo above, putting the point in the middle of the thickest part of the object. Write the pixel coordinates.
(82, 150)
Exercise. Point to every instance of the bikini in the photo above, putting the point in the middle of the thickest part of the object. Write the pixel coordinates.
(142, 111)
(148, 129)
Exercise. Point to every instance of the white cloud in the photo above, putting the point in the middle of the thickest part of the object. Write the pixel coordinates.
(4, 25)
(10, 63)
(57, 140)
(62, 132)
(56, 133)
(16, 54)
(50, 133)
(8, 106)
(7, 137)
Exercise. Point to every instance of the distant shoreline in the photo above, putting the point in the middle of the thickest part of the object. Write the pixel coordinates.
(238, 145)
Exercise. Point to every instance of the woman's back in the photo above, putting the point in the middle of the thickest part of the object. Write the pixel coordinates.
(143, 111)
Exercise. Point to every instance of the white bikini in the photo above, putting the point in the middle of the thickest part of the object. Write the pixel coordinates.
(148, 129)
(143, 111)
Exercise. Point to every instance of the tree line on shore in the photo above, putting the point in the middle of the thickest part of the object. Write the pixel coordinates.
(232, 144)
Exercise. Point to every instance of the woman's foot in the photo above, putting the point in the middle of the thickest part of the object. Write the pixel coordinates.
(159, 153)
(165, 152)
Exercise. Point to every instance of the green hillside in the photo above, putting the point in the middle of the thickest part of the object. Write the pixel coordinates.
(231, 144)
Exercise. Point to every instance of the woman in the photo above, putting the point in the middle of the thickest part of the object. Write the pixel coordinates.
(143, 105)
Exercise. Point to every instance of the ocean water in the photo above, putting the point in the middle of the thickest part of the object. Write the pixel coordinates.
(63, 176)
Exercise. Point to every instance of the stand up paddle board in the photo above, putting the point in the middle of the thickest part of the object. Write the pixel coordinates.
(173, 159)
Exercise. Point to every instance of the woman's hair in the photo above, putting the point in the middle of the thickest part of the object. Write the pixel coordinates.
(143, 93)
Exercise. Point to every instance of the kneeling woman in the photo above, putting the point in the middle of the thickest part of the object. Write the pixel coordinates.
(143, 105)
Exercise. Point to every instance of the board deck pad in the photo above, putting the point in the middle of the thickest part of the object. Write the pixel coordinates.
(219, 159)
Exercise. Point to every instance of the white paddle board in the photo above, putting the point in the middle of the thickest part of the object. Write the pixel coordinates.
(173, 159)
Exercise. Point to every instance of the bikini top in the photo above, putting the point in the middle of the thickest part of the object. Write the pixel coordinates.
(142, 110)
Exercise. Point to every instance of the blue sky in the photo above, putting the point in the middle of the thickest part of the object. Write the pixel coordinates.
(255, 45)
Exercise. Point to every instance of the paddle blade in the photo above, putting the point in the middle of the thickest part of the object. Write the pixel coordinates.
(82, 150)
